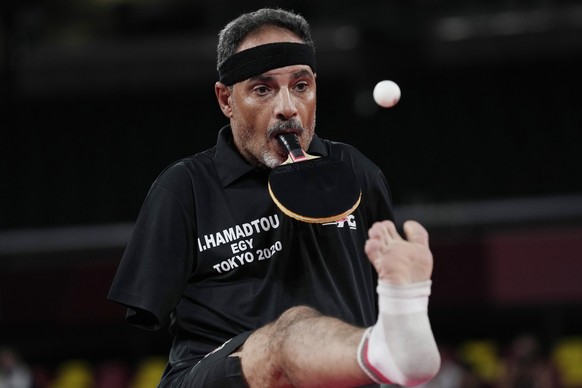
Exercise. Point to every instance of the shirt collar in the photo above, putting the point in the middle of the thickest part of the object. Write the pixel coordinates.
(230, 165)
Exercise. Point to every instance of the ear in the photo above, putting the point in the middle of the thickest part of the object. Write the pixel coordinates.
(223, 96)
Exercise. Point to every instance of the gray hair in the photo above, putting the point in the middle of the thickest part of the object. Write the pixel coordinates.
(238, 29)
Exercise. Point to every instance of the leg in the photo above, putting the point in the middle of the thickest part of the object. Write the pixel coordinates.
(303, 349)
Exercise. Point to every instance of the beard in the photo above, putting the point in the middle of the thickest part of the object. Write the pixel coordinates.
(269, 160)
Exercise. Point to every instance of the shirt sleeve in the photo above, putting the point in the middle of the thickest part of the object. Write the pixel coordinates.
(159, 257)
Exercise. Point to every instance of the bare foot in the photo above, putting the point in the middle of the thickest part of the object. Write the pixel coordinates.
(397, 260)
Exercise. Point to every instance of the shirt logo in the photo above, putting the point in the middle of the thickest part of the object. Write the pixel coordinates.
(349, 220)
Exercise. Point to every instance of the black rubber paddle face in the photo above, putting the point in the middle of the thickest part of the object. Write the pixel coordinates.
(316, 190)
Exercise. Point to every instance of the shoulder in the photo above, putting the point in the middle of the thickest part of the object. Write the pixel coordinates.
(369, 174)
(185, 169)
(177, 181)
(351, 155)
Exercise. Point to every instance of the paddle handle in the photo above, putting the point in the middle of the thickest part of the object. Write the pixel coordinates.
(291, 142)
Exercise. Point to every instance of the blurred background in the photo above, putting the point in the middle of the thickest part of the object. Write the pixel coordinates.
(98, 96)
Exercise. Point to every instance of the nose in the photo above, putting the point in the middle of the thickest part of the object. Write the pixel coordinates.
(285, 108)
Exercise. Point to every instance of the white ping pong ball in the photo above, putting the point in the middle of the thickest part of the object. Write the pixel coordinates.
(386, 93)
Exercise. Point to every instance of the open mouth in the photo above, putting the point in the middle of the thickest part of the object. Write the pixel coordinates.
(281, 127)
(277, 133)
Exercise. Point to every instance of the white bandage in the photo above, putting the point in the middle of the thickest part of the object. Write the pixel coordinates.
(400, 347)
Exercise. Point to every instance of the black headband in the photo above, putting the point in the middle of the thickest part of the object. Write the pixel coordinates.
(259, 59)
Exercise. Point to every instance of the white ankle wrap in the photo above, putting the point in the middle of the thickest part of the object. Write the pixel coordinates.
(400, 347)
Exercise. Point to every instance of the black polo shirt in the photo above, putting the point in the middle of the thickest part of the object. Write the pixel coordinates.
(213, 256)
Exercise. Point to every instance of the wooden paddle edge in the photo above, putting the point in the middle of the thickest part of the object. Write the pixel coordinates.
(314, 220)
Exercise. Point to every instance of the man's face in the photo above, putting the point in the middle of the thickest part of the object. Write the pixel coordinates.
(277, 101)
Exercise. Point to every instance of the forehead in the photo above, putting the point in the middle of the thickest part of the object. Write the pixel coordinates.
(268, 34)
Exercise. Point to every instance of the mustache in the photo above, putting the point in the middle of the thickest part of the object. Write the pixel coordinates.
(285, 127)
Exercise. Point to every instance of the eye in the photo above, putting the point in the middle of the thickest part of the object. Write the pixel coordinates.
(261, 90)
(302, 86)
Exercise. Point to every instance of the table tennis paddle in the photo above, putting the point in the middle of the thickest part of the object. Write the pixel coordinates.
(311, 188)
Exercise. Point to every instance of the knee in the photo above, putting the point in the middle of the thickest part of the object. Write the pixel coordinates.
(268, 354)
(289, 321)
(296, 314)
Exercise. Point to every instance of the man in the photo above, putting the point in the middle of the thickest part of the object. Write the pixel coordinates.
(293, 304)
